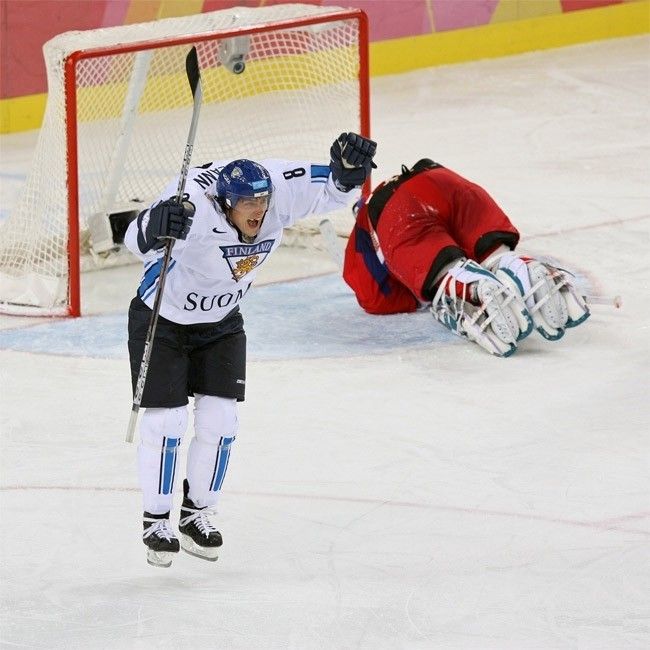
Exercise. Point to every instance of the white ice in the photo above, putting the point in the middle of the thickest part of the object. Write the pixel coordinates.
(391, 487)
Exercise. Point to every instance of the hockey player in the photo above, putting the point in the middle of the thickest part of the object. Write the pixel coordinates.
(430, 237)
(230, 222)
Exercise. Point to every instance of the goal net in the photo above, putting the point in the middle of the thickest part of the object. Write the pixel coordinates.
(278, 82)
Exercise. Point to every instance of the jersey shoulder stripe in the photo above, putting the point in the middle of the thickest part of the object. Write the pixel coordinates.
(319, 173)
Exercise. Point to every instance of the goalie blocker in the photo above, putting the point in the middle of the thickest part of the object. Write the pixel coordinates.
(428, 236)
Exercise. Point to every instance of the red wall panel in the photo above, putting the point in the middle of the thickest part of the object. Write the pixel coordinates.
(576, 5)
(391, 19)
(25, 25)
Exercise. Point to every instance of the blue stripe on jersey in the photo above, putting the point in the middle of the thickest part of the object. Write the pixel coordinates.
(150, 279)
(319, 173)
(167, 465)
(150, 290)
(377, 270)
(221, 464)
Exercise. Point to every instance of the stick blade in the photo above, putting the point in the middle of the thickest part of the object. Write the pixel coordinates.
(133, 420)
(192, 69)
(609, 301)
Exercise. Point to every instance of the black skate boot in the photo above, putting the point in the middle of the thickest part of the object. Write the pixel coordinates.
(159, 539)
(199, 537)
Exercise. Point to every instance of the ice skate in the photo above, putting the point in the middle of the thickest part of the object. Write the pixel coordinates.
(199, 537)
(159, 539)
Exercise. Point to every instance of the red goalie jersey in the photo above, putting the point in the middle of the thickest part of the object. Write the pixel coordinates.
(412, 227)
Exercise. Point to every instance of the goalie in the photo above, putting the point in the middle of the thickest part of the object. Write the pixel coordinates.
(429, 236)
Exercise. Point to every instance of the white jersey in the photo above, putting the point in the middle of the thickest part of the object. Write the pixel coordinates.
(211, 270)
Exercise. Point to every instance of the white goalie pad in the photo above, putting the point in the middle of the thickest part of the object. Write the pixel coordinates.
(551, 298)
(474, 304)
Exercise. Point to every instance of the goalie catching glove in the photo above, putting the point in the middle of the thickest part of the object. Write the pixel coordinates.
(475, 304)
(551, 299)
(167, 220)
(351, 160)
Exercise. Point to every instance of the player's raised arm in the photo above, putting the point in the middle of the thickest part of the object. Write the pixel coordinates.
(307, 188)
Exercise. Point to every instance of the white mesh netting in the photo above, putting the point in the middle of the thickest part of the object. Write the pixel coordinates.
(299, 90)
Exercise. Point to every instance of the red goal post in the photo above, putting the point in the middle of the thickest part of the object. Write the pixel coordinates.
(116, 123)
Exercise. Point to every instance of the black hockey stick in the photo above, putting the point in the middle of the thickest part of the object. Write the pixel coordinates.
(194, 78)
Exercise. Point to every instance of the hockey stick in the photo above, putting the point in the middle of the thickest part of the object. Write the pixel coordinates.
(331, 242)
(608, 301)
(194, 78)
(335, 251)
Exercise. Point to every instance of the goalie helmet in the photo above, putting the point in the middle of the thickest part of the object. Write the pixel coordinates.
(243, 178)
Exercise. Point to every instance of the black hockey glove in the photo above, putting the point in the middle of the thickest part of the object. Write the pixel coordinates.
(351, 160)
(168, 219)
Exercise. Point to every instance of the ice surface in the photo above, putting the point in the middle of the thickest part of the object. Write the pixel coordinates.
(391, 487)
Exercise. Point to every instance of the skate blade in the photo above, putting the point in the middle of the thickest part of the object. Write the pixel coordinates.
(209, 553)
(162, 559)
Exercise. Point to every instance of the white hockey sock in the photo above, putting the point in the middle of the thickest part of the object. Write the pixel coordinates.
(206, 469)
(161, 431)
(215, 426)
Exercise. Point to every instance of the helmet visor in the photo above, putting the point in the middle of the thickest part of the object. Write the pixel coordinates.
(249, 203)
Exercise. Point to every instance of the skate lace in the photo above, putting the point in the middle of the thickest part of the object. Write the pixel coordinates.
(159, 528)
(200, 518)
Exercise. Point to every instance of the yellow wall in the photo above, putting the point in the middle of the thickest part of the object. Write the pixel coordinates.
(506, 38)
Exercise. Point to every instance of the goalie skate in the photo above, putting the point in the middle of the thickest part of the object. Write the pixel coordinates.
(199, 537)
(159, 539)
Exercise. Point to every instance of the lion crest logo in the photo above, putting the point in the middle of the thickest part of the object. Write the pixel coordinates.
(244, 266)
(243, 258)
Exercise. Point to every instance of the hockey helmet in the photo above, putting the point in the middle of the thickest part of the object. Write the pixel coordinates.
(243, 178)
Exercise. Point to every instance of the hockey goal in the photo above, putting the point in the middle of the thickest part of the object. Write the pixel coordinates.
(278, 82)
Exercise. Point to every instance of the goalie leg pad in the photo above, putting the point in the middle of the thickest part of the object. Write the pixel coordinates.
(507, 313)
(551, 299)
(474, 304)
(576, 306)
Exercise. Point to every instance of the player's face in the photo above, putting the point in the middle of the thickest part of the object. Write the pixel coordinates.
(248, 213)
